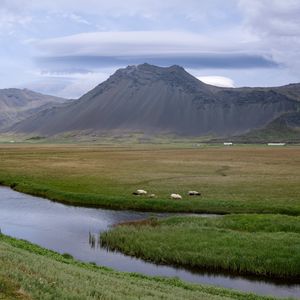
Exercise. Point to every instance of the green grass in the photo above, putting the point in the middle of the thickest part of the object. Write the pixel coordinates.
(10, 290)
(246, 179)
(266, 245)
(30, 272)
(252, 179)
(276, 131)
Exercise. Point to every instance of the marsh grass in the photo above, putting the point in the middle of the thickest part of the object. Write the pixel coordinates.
(11, 291)
(236, 180)
(265, 245)
(44, 274)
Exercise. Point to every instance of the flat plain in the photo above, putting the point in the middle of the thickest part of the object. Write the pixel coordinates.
(238, 179)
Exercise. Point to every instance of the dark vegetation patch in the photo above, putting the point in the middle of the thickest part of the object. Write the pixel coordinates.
(263, 245)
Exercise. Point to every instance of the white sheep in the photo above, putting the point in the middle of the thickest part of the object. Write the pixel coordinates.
(140, 192)
(175, 196)
(194, 193)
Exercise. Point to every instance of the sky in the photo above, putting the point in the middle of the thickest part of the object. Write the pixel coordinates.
(67, 47)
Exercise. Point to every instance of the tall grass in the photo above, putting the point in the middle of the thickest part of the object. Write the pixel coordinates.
(266, 245)
(30, 272)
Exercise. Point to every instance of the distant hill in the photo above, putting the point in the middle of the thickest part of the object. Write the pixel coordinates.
(18, 104)
(285, 128)
(153, 99)
(291, 90)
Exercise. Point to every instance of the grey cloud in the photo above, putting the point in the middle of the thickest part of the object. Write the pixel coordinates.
(141, 43)
(102, 49)
(277, 24)
(272, 17)
(201, 60)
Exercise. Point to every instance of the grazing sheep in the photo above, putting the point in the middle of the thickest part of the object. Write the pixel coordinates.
(175, 196)
(152, 196)
(140, 192)
(194, 193)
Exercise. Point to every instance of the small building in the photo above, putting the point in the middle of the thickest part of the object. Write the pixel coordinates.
(276, 144)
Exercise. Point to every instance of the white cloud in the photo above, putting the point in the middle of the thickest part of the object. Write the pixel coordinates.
(217, 81)
(268, 28)
(76, 18)
(276, 23)
(147, 42)
(82, 84)
(67, 85)
(8, 21)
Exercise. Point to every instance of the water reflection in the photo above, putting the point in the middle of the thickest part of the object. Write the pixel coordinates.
(94, 240)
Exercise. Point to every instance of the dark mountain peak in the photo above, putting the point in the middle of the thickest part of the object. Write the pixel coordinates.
(152, 68)
(148, 69)
(293, 85)
(146, 76)
(162, 70)
(176, 68)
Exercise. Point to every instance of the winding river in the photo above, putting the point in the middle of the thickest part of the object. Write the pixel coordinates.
(75, 230)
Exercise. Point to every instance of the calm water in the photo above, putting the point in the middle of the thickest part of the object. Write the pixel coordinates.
(66, 229)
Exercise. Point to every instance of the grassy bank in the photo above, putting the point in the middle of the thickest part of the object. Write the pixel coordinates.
(266, 245)
(30, 272)
(231, 180)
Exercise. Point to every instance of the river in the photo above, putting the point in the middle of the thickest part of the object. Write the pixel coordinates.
(76, 230)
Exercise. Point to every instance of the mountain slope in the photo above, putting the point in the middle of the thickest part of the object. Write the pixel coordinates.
(290, 90)
(162, 100)
(18, 104)
(285, 128)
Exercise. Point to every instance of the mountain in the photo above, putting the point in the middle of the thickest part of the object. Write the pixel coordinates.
(291, 90)
(153, 99)
(18, 104)
(285, 128)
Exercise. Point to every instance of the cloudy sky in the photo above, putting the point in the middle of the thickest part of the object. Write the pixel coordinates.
(66, 47)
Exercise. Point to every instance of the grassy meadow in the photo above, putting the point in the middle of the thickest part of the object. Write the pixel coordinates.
(250, 180)
(239, 179)
(30, 272)
(265, 245)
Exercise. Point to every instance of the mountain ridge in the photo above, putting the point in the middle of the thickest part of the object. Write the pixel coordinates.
(18, 104)
(285, 128)
(156, 99)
